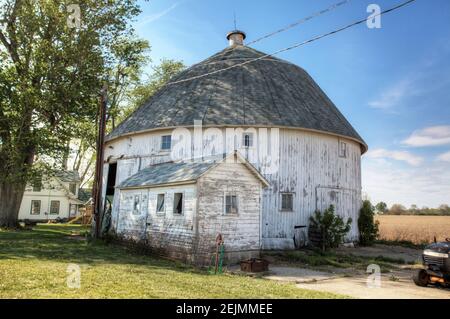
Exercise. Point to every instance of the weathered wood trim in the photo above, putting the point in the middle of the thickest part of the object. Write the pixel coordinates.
(158, 185)
(364, 147)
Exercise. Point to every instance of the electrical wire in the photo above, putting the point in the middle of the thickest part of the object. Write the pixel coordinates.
(303, 20)
(293, 46)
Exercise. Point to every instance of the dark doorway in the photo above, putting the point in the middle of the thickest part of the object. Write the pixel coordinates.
(111, 181)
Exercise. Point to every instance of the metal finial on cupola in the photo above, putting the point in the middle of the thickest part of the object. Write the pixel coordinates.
(236, 37)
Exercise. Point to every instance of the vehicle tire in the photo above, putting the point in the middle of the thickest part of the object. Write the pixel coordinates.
(421, 278)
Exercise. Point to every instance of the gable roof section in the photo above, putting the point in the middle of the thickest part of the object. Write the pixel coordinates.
(68, 176)
(181, 173)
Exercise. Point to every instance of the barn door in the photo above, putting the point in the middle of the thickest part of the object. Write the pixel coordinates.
(341, 199)
(125, 168)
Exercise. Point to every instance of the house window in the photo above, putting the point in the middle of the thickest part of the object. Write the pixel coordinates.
(342, 149)
(160, 203)
(73, 210)
(287, 202)
(231, 204)
(37, 185)
(54, 207)
(35, 207)
(166, 142)
(178, 204)
(137, 205)
(73, 188)
(247, 140)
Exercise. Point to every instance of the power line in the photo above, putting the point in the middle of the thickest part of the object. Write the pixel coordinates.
(293, 46)
(292, 25)
(303, 20)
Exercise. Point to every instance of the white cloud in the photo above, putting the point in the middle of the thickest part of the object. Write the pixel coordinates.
(445, 157)
(404, 156)
(392, 96)
(407, 185)
(156, 16)
(429, 136)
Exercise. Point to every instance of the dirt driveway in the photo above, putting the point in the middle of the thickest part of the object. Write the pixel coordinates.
(395, 284)
(401, 288)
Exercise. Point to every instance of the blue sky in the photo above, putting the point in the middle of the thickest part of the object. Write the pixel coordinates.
(392, 84)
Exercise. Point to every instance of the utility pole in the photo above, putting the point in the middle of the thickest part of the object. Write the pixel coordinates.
(97, 186)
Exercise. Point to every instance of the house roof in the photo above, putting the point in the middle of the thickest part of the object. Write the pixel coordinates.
(84, 194)
(267, 92)
(179, 172)
(68, 176)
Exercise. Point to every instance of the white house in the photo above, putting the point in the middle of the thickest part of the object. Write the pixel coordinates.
(54, 197)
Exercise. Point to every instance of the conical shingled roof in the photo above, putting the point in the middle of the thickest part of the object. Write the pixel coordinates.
(266, 92)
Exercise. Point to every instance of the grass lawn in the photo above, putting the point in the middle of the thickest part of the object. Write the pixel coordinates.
(33, 264)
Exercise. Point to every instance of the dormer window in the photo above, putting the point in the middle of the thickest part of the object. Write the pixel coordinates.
(73, 188)
(37, 185)
(166, 142)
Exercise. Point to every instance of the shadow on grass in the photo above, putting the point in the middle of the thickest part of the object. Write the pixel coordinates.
(56, 243)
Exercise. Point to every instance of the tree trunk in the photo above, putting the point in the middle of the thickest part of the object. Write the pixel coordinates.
(10, 199)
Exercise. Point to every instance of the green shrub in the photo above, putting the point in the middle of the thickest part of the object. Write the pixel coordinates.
(330, 227)
(368, 227)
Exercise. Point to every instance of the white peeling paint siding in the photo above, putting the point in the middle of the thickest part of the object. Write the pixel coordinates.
(125, 168)
(310, 168)
(132, 220)
(241, 232)
(170, 233)
(165, 232)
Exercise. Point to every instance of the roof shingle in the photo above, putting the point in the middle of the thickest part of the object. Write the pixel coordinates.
(267, 92)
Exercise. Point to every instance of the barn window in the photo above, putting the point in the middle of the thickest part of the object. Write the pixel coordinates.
(73, 188)
(287, 202)
(247, 140)
(137, 205)
(35, 207)
(342, 149)
(231, 204)
(178, 204)
(54, 207)
(160, 205)
(166, 142)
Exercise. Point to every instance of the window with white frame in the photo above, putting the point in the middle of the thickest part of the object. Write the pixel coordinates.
(287, 202)
(54, 207)
(247, 140)
(231, 204)
(35, 207)
(178, 204)
(137, 205)
(166, 142)
(160, 203)
(342, 149)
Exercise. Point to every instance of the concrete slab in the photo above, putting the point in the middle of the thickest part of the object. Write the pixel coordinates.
(298, 275)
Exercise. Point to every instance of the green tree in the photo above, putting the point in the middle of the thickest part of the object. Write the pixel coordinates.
(161, 75)
(397, 209)
(368, 227)
(381, 207)
(52, 66)
(127, 92)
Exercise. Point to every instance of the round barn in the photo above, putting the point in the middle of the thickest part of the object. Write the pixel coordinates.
(302, 152)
